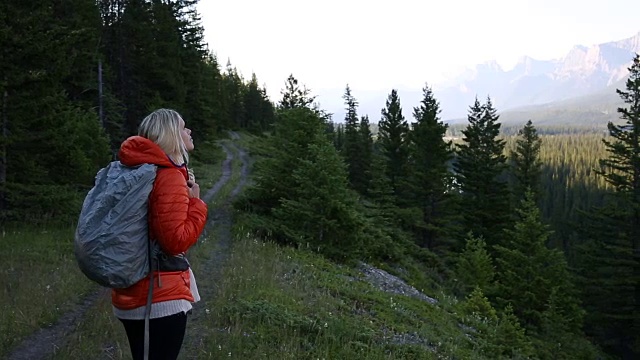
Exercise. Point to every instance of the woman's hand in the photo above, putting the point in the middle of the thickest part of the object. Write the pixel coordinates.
(194, 189)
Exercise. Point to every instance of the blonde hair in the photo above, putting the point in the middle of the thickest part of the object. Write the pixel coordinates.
(163, 128)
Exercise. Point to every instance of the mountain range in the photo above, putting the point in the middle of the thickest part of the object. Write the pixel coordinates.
(580, 85)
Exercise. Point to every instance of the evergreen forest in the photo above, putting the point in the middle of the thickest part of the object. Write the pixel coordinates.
(537, 228)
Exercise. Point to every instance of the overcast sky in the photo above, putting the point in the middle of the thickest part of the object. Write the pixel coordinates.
(375, 46)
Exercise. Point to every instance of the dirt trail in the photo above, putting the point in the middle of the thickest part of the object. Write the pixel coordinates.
(43, 343)
(220, 221)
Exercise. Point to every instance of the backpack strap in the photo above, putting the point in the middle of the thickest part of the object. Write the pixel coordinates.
(147, 310)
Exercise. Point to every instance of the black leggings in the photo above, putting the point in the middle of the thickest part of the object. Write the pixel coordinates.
(165, 336)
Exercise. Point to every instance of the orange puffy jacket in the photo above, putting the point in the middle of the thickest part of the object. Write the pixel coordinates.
(175, 222)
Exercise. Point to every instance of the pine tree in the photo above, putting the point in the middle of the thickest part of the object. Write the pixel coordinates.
(500, 335)
(301, 195)
(338, 139)
(604, 266)
(478, 307)
(610, 261)
(365, 157)
(293, 96)
(388, 241)
(133, 59)
(507, 339)
(474, 266)
(526, 162)
(560, 336)
(392, 138)
(267, 110)
(429, 179)
(528, 271)
(352, 145)
(280, 154)
(622, 168)
(480, 166)
(234, 90)
(321, 210)
(204, 102)
(81, 20)
(166, 63)
(253, 102)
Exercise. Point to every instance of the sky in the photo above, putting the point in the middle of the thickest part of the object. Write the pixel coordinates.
(375, 45)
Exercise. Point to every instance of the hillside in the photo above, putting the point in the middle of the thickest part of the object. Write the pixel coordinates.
(594, 110)
(591, 111)
(260, 300)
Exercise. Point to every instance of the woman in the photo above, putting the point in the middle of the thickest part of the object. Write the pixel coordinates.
(177, 217)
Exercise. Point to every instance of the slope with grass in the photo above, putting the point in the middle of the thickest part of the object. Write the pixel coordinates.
(260, 300)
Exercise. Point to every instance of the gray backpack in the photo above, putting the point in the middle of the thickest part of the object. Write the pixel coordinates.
(112, 238)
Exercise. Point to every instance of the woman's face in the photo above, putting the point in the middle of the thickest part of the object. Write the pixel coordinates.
(185, 133)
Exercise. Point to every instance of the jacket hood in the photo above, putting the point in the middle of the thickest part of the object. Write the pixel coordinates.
(138, 150)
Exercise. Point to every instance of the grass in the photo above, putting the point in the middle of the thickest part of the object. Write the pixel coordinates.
(282, 303)
(99, 335)
(40, 280)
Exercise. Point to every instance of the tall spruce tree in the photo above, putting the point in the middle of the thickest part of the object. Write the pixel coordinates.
(133, 59)
(381, 209)
(352, 145)
(610, 261)
(526, 162)
(293, 96)
(321, 211)
(282, 150)
(430, 180)
(480, 168)
(338, 137)
(474, 266)
(502, 335)
(267, 110)
(528, 272)
(204, 102)
(393, 131)
(234, 89)
(253, 102)
(365, 156)
(301, 194)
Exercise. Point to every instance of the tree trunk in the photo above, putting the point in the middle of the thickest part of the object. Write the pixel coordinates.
(100, 106)
(3, 154)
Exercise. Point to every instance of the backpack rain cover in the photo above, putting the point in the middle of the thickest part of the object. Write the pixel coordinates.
(111, 242)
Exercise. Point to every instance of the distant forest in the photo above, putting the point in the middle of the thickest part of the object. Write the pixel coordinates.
(540, 225)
